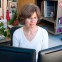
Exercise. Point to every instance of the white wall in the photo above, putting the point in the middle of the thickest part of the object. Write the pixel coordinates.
(1, 9)
(59, 11)
(5, 6)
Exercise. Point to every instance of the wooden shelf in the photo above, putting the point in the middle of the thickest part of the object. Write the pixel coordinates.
(51, 13)
(50, 19)
(53, 0)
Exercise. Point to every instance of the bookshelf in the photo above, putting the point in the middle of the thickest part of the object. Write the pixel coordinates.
(51, 12)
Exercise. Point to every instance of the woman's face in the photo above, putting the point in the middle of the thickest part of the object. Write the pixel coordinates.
(32, 21)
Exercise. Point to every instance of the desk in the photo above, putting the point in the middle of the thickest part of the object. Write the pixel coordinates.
(5, 41)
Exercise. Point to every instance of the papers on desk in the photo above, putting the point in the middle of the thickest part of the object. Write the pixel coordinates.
(4, 21)
(10, 26)
(2, 37)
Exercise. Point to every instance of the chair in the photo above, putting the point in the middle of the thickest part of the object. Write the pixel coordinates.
(11, 33)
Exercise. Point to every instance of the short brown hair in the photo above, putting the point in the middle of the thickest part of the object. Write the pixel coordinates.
(27, 11)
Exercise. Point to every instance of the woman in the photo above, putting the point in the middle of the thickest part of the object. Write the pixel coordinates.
(30, 35)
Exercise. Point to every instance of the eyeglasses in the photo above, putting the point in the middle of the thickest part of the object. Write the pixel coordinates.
(32, 19)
